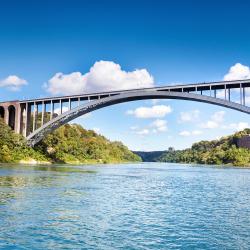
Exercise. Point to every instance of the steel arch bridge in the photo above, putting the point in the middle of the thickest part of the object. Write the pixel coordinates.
(39, 117)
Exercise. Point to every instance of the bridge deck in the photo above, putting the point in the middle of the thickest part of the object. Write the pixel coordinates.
(219, 85)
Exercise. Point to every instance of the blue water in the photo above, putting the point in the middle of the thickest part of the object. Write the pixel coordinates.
(130, 206)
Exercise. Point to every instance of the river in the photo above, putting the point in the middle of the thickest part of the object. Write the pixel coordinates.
(126, 206)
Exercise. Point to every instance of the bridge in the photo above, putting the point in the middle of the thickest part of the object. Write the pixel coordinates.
(36, 118)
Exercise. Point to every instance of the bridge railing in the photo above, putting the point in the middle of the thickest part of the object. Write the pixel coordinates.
(34, 113)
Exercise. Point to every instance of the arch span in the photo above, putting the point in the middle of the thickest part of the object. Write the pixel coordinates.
(60, 120)
(2, 112)
(12, 116)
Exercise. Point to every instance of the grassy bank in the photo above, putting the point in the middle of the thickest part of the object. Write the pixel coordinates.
(70, 144)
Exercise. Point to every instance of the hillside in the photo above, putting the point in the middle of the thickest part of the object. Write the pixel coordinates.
(222, 151)
(68, 144)
(150, 156)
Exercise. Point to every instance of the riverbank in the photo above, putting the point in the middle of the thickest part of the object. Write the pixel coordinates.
(226, 151)
(160, 205)
(69, 144)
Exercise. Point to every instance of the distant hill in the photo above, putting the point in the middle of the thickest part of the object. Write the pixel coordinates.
(68, 144)
(151, 156)
(72, 143)
(222, 151)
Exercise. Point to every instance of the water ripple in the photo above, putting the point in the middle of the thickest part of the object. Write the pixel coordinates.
(129, 206)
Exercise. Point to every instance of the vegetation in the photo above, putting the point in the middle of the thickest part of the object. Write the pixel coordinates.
(72, 143)
(149, 156)
(68, 144)
(222, 151)
(13, 147)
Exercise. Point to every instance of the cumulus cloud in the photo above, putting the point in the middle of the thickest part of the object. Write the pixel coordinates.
(58, 110)
(13, 83)
(157, 111)
(103, 76)
(218, 116)
(247, 100)
(238, 72)
(184, 133)
(189, 116)
(237, 126)
(144, 131)
(215, 120)
(190, 133)
(97, 130)
(159, 126)
(134, 127)
(220, 94)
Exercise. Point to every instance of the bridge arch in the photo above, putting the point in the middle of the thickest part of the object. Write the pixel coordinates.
(12, 116)
(66, 117)
(2, 112)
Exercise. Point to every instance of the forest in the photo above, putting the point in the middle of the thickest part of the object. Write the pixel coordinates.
(223, 151)
(68, 144)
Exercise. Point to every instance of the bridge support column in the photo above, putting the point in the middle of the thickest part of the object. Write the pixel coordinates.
(6, 115)
(244, 96)
(51, 109)
(60, 106)
(18, 119)
(43, 108)
(69, 104)
(241, 94)
(34, 117)
(25, 133)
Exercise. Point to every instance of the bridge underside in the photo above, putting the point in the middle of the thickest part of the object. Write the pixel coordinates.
(66, 117)
(34, 119)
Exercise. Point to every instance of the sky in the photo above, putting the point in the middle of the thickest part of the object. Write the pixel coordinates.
(65, 47)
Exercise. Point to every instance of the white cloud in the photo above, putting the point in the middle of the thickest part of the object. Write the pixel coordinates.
(189, 116)
(238, 72)
(58, 111)
(197, 132)
(247, 100)
(190, 133)
(134, 127)
(155, 101)
(157, 111)
(210, 124)
(159, 126)
(103, 76)
(218, 116)
(142, 132)
(215, 120)
(237, 126)
(184, 133)
(97, 130)
(220, 94)
(13, 83)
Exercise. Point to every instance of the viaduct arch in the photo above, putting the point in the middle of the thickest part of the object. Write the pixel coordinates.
(35, 118)
(66, 117)
(2, 111)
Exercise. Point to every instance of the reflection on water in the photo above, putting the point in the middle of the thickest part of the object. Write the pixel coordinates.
(51, 168)
(129, 206)
(19, 177)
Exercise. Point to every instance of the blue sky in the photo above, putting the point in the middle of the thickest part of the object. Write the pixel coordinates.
(174, 41)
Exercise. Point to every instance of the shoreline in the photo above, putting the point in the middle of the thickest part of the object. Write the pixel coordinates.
(45, 163)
